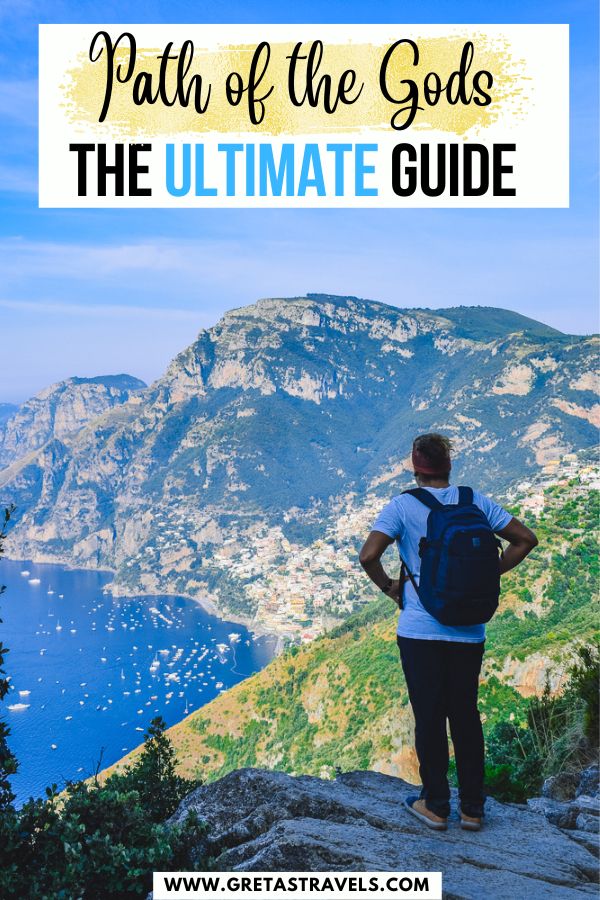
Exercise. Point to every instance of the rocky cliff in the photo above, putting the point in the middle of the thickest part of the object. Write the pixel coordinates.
(275, 428)
(61, 409)
(268, 821)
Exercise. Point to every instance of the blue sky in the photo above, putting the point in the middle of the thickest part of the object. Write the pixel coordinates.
(87, 292)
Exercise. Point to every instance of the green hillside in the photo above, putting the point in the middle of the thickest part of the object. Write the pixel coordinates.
(341, 701)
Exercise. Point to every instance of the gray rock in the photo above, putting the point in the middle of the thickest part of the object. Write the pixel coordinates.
(590, 805)
(563, 815)
(585, 822)
(589, 782)
(561, 787)
(269, 821)
(588, 840)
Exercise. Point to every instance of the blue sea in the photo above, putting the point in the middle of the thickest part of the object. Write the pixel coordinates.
(88, 671)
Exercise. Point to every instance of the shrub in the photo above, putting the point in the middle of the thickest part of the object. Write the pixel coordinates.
(560, 733)
(153, 776)
(94, 842)
(98, 840)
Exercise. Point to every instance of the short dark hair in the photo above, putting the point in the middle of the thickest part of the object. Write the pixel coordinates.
(436, 448)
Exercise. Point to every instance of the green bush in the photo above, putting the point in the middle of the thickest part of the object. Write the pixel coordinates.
(559, 733)
(153, 777)
(97, 841)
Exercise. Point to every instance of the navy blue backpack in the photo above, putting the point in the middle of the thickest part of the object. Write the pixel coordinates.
(459, 582)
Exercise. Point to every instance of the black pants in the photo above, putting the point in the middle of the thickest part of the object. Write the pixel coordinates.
(443, 679)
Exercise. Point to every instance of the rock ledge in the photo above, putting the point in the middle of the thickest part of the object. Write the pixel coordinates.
(269, 821)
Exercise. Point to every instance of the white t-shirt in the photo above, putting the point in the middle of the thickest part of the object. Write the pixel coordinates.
(405, 520)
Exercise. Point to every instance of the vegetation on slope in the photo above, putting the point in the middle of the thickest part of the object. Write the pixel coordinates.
(340, 702)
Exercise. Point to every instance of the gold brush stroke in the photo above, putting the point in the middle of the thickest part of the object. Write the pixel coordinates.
(84, 91)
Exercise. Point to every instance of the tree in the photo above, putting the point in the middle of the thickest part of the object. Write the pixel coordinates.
(153, 776)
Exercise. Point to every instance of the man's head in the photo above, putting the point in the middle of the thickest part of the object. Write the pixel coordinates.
(431, 458)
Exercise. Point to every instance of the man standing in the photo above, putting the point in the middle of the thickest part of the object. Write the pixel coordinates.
(441, 662)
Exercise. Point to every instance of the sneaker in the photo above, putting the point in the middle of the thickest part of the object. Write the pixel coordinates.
(470, 823)
(417, 808)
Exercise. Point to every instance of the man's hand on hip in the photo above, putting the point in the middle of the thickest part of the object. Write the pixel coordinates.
(394, 590)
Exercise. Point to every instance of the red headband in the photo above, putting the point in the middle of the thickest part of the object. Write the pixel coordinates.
(424, 466)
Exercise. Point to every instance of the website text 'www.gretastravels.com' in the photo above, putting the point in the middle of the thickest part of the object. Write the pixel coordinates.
(298, 885)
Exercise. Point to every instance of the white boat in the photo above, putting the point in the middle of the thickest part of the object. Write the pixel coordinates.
(24, 693)
(50, 592)
(17, 707)
(53, 746)
(58, 626)
(34, 581)
(25, 573)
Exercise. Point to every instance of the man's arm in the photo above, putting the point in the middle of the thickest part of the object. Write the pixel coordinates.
(370, 559)
(521, 541)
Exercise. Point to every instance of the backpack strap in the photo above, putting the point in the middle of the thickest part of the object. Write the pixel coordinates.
(425, 497)
(404, 569)
(465, 496)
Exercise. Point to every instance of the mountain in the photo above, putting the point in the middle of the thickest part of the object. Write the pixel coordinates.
(60, 409)
(287, 424)
(340, 701)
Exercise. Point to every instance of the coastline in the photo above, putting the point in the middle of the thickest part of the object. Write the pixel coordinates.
(208, 605)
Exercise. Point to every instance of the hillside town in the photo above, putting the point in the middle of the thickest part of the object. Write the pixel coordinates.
(299, 591)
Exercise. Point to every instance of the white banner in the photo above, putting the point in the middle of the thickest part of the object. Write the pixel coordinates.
(304, 116)
(298, 885)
